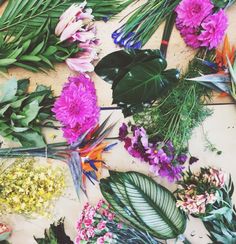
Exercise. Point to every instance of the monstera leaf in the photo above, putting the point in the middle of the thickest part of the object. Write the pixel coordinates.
(144, 203)
(137, 76)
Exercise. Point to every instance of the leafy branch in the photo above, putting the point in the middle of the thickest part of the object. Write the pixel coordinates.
(22, 114)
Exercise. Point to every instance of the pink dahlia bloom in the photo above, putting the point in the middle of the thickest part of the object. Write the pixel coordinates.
(192, 12)
(76, 108)
(190, 36)
(214, 28)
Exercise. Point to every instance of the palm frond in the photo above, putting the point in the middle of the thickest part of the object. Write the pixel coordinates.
(31, 14)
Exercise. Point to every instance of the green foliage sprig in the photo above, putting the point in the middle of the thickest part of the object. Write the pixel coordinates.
(22, 114)
(176, 115)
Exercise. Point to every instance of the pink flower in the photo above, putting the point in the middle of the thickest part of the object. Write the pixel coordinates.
(101, 225)
(192, 12)
(76, 108)
(90, 232)
(82, 61)
(214, 28)
(72, 20)
(108, 236)
(101, 240)
(190, 36)
(70, 30)
(80, 64)
(119, 225)
(69, 16)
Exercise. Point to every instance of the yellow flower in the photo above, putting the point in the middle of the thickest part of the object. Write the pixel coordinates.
(28, 189)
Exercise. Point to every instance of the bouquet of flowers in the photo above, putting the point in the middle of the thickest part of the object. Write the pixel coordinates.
(100, 225)
(197, 192)
(208, 196)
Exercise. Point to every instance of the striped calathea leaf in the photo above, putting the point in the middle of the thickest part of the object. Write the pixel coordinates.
(144, 204)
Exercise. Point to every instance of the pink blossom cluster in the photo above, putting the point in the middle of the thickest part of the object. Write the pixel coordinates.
(76, 108)
(199, 25)
(197, 191)
(92, 225)
(193, 203)
(76, 25)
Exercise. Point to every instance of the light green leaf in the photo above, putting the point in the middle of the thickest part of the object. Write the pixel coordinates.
(7, 61)
(30, 58)
(30, 139)
(17, 103)
(19, 129)
(4, 109)
(144, 203)
(30, 112)
(8, 90)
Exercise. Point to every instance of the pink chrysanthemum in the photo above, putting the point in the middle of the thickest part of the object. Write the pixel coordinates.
(77, 108)
(192, 12)
(214, 28)
(190, 36)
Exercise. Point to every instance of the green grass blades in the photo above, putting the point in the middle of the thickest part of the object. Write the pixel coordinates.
(22, 114)
(144, 204)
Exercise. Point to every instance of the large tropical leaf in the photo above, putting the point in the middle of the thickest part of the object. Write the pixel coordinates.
(144, 203)
(138, 76)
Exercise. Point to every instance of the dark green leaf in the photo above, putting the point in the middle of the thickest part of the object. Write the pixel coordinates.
(137, 76)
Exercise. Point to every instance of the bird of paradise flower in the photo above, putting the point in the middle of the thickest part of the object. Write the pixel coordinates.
(83, 157)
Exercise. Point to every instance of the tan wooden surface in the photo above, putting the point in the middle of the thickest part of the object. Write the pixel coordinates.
(220, 128)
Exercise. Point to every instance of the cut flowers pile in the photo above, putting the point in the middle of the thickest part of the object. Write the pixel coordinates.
(163, 104)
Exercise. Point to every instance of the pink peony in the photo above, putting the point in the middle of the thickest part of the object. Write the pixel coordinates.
(76, 108)
(214, 28)
(192, 12)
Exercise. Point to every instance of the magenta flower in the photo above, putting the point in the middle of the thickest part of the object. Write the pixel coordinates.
(76, 108)
(192, 12)
(214, 28)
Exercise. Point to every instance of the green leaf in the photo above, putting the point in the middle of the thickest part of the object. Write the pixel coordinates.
(18, 102)
(29, 139)
(7, 61)
(4, 109)
(4, 129)
(19, 129)
(144, 203)
(30, 112)
(30, 58)
(8, 90)
(137, 76)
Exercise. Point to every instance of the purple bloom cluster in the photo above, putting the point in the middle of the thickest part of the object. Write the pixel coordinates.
(160, 156)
